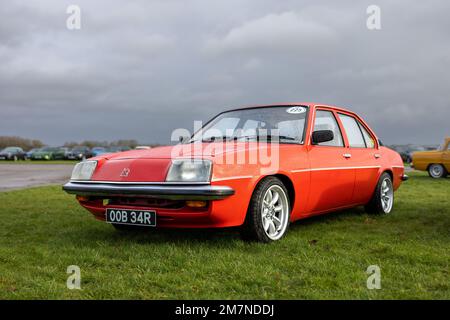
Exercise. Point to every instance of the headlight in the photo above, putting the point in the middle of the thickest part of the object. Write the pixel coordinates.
(83, 170)
(189, 170)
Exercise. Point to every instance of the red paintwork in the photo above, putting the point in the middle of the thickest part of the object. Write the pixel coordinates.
(322, 178)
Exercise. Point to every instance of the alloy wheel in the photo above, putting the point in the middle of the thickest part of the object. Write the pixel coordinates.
(387, 195)
(275, 212)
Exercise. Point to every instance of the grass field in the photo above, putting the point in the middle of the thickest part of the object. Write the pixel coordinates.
(43, 231)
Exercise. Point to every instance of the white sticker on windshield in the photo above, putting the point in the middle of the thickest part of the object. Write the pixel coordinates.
(296, 110)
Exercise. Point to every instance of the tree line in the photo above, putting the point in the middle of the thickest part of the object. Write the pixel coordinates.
(92, 143)
(28, 144)
(25, 144)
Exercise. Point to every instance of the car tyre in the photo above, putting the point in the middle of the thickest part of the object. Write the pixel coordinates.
(437, 171)
(269, 211)
(382, 200)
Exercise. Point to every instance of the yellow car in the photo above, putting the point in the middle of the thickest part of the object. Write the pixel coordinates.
(436, 162)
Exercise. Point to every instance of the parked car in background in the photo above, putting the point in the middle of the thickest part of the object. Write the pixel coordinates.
(66, 151)
(48, 153)
(79, 153)
(30, 153)
(407, 155)
(436, 162)
(324, 159)
(142, 148)
(12, 153)
(97, 151)
(406, 151)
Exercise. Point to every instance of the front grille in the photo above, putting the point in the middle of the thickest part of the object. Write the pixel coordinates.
(153, 203)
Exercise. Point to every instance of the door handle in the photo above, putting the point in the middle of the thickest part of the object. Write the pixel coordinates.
(377, 155)
(347, 155)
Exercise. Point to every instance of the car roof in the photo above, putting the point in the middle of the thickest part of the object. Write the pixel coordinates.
(287, 104)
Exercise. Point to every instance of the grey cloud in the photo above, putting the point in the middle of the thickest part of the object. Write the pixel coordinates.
(278, 32)
(140, 69)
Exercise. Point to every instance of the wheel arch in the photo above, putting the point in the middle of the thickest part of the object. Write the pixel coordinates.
(390, 172)
(287, 182)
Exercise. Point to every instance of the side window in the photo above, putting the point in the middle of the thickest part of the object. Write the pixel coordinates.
(370, 143)
(354, 134)
(325, 121)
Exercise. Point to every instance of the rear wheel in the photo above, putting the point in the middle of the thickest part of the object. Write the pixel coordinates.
(383, 198)
(437, 171)
(269, 212)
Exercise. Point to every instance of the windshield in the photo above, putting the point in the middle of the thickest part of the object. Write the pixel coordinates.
(9, 149)
(285, 123)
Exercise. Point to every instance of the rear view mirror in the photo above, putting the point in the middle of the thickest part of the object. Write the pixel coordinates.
(320, 136)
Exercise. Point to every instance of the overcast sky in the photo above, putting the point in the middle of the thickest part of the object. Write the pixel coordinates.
(138, 70)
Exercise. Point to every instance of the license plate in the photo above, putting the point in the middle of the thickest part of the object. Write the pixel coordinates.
(131, 217)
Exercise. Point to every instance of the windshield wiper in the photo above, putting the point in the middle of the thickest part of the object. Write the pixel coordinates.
(235, 138)
(218, 139)
(268, 137)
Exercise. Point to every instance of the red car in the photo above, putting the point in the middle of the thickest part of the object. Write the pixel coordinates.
(259, 168)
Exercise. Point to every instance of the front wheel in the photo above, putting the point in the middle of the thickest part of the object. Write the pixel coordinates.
(269, 212)
(437, 171)
(383, 198)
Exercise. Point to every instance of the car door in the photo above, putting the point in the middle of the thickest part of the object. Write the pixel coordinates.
(332, 178)
(365, 157)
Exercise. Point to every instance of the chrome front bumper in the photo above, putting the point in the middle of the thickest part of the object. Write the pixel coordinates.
(160, 191)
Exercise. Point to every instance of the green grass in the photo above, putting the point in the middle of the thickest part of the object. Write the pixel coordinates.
(43, 231)
(71, 162)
